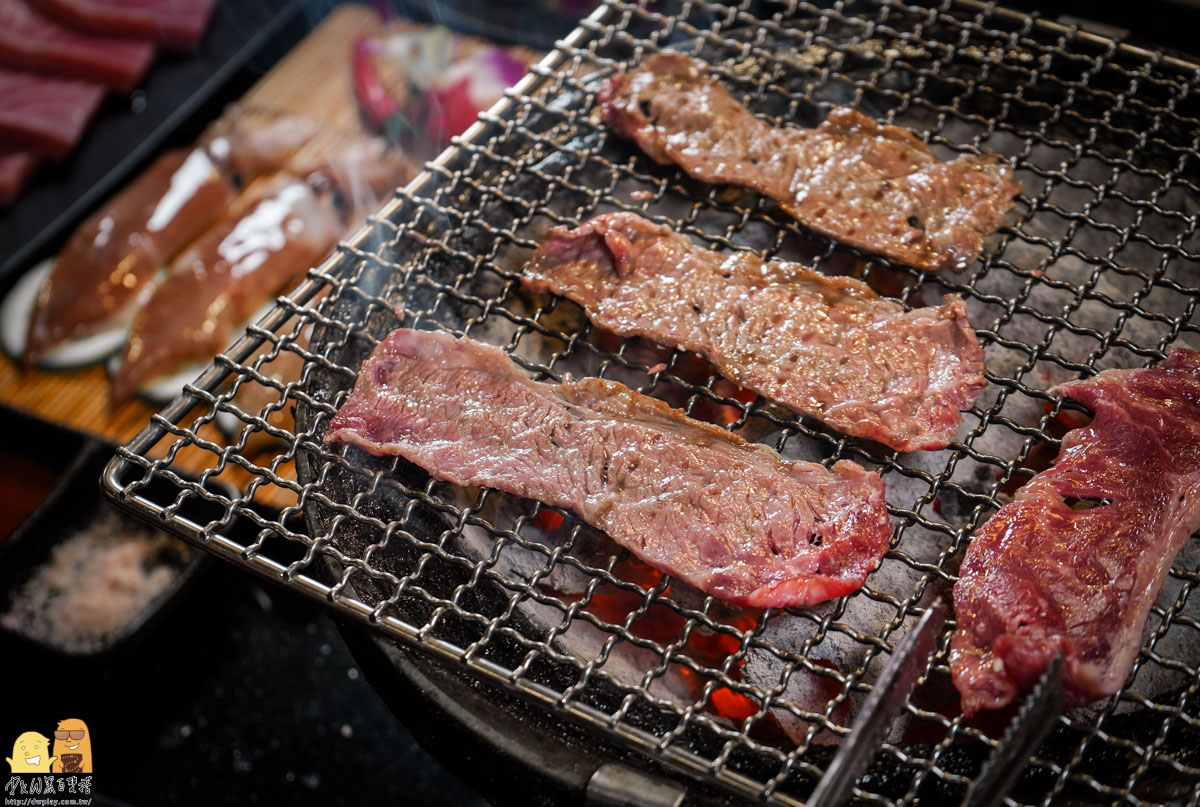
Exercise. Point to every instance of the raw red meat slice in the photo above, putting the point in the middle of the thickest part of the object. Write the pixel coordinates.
(44, 115)
(732, 518)
(852, 178)
(30, 41)
(1044, 577)
(175, 23)
(827, 347)
(15, 169)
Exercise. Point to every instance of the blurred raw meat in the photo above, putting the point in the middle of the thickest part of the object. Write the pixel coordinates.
(44, 115)
(31, 41)
(227, 273)
(174, 23)
(109, 263)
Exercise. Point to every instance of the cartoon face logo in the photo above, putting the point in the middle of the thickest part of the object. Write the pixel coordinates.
(73, 747)
(31, 754)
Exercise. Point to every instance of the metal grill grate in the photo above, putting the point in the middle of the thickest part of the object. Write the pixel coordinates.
(1100, 268)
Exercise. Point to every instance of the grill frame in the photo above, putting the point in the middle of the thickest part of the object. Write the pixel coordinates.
(279, 330)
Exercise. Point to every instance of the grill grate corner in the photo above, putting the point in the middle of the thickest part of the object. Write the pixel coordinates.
(1099, 268)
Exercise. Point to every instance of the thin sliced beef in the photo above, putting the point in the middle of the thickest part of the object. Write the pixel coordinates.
(729, 517)
(853, 179)
(174, 23)
(31, 41)
(827, 347)
(15, 169)
(1074, 562)
(44, 115)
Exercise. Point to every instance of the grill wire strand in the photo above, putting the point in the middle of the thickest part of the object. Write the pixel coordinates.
(1097, 267)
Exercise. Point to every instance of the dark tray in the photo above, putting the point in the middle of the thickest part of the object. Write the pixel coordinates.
(74, 503)
(35, 457)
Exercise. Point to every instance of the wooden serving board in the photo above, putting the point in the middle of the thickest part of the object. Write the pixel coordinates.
(313, 80)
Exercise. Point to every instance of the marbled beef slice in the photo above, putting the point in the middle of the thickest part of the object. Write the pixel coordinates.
(731, 518)
(852, 178)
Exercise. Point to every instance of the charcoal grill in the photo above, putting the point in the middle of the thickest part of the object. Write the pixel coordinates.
(1098, 267)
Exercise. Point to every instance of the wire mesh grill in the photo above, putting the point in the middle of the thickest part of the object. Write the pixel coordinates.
(1099, 267)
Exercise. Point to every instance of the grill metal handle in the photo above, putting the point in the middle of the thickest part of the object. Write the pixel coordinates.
(618, 786)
